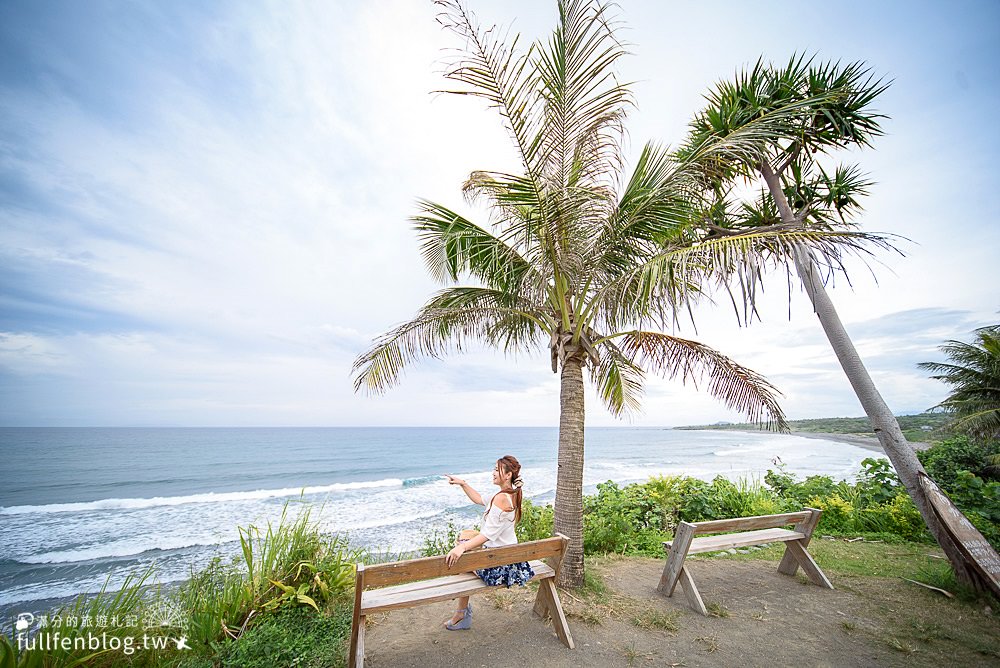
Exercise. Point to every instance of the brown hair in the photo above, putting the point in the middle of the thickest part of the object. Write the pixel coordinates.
(509, 464)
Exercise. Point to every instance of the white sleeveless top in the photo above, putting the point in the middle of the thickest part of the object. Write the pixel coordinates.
(498, 526)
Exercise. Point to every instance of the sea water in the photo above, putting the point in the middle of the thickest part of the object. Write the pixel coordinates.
(80, 505)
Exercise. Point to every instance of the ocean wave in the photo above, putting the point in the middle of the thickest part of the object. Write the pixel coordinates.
(115, 550)
(422, 480)
(206, 497)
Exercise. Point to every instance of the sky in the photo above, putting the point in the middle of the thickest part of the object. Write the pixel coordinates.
(204, 206)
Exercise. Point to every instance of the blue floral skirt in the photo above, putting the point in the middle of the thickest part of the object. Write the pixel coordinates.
(509, 574)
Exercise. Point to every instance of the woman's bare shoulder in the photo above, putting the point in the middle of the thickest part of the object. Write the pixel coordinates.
(503, 501)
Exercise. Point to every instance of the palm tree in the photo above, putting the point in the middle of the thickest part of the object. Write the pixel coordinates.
(974, 374)
(834, 111)
(578, 257)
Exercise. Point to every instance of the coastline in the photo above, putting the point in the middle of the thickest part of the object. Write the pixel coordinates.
(859, 440)
(866, 441)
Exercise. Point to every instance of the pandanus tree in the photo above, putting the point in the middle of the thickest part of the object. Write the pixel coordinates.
(973, 372)
(579, 256)
(833, 104)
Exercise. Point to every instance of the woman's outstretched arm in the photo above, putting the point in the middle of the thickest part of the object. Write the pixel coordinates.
(473, 495)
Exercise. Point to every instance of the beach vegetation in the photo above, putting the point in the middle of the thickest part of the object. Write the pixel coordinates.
(581, 256)
(921, 427)
(973, 372)
(283, 569)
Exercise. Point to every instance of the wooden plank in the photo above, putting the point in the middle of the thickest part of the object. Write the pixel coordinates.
(443, 589)
(970, 542)
(675, 559)
(357, 621)
(358, 657)
(691, 592)
(729, 540)
(555, 608)
(397, 572)
(789, 563)
(541, 606)
(744, 523)
(542, 570)
(812, 570)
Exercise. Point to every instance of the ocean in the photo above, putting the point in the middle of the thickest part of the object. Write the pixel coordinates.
(78, 505)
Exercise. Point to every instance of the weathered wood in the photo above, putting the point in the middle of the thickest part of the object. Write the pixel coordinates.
(430, 591)
(675, 560)
(691, 592)
(970, 542)
(404, 584)
(747, 538)
(542, 604)
(399, 572)
(757, 522)
(789, 564)
(556, 612)
(684, 543)
(812, 570)
(358, 622)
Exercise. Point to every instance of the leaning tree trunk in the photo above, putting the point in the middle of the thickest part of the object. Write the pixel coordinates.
(569, 480)
(884, 424)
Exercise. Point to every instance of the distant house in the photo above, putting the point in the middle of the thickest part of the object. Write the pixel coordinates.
(926, 427)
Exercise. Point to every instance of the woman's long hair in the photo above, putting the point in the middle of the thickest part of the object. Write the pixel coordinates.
(509, 464)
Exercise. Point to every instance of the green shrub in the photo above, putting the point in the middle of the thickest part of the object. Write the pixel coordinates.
(440, 542)
(297, 637)
(536, 522)
(944, 460)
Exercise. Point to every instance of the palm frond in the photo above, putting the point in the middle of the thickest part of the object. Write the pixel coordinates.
(974, 376)
(619, 381)
(498, 72)
(447, 323)
(739, 388)
(654, 209)
(678, 275)
(452, 246)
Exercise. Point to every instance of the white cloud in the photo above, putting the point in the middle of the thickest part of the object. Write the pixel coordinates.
(218, 251)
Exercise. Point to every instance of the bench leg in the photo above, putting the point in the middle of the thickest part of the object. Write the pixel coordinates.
(356, 657)
(799, 557)
(691, 592)
(541, 607)
(550, 600)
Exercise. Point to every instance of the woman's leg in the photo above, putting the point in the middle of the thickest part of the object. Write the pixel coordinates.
(463, 603)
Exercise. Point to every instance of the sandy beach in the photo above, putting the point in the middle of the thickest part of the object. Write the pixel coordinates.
(869, 442)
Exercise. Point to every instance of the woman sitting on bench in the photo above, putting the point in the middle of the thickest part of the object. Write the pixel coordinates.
(502, 514)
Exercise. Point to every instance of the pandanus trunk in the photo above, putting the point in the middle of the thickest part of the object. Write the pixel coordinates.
(884, 424)
(569, 481)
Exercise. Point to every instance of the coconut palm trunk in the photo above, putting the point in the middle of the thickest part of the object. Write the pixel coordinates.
(568, 511)
(883, 422)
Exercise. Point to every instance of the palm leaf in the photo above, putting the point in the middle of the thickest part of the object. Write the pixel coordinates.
(619, 381)
(447, 323)
(740, 388)
(453, 246)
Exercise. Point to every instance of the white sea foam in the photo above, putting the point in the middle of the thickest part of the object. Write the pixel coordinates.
(207, 497)
(116, 549)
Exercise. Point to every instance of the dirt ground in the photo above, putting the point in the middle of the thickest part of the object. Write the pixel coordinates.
(760, 618)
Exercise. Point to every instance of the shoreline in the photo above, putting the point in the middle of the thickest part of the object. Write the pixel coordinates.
(866, 441)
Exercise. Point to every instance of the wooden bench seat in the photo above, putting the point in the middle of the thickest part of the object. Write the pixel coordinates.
(745, 539)
(405, 584)
(765, 529)
(439, 589)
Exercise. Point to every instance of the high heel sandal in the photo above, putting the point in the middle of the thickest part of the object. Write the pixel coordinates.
(465, 623)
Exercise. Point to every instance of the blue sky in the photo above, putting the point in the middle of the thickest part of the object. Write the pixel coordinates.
(203, 207)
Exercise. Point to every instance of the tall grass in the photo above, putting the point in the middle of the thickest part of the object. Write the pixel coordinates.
(282, 567)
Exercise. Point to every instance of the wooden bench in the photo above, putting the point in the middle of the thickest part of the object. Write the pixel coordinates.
(762, 529)
(405, 584)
